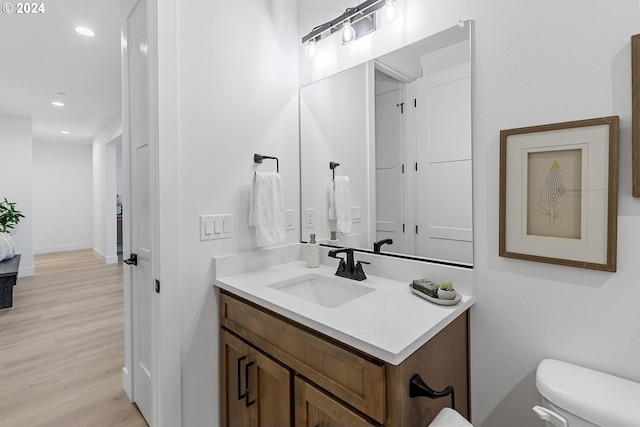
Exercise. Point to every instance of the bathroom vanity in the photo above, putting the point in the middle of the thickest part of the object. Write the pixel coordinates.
(286, 359)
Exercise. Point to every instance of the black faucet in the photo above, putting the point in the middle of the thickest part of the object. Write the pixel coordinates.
(379, 243)
(347, 268)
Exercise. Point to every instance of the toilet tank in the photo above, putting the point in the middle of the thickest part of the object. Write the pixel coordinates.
(599, 398)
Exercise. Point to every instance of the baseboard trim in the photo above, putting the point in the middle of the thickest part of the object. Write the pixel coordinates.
(126, 383)
(111, 260)
(26, 272)
(62, 248)
(106, 259)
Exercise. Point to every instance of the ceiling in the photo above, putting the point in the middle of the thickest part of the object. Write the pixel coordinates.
(41, 55)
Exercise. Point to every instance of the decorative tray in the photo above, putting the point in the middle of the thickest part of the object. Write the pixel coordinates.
(436, 300)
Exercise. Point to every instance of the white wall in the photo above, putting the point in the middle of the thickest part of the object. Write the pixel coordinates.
(16, 182)
(62, 197)
(564, 61)
(535, 63)
(237, 80)
(104, 190)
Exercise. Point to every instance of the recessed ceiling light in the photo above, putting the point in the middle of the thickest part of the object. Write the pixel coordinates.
(65, 132)
(57, 104)
(85, 31)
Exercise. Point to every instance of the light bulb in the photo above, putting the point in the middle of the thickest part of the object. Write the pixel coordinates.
(348, 33)
(311, 49)
(389, 9)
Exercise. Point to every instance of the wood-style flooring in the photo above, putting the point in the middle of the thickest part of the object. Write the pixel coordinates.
(61, 346)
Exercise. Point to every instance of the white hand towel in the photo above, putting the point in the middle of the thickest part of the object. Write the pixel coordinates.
(343, 204)
(266, 208)
(332, 200)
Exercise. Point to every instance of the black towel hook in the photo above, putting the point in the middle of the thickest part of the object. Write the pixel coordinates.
(258, 158)
(333, 166)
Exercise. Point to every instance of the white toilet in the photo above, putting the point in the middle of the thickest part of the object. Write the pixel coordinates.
(574, 396)
(447, 417)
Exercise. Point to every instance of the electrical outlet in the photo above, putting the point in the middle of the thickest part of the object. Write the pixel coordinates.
(356, 214)
(309, 214)
(288, 219)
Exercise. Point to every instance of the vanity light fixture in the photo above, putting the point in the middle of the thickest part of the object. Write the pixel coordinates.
(354, 23)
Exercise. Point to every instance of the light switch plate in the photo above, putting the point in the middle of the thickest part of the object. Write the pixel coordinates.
(214, 227)
(288, 219)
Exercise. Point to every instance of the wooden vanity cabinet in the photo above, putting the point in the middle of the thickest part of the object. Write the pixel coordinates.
(299, 377)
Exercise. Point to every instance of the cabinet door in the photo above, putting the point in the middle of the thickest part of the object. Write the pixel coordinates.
(255, 390)
(313, 408)
(233, 359)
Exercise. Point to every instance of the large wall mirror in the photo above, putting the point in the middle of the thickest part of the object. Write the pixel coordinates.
(397, 131)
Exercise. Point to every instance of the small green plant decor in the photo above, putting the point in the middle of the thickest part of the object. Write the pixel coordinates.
(446, 291)
(9, 216)
(446, 286)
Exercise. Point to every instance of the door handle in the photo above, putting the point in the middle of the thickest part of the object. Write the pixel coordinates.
(246, 377)
(240, 394)
(133, 260)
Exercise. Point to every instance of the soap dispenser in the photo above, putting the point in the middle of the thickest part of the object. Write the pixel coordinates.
(313, 252)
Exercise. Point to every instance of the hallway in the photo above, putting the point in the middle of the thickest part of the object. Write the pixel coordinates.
(61, 346)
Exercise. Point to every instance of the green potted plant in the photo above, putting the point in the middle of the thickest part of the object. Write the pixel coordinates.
(446, 291)
(9, 218)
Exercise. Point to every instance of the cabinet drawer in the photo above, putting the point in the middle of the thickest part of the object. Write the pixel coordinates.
(348, 375)
(315, 408)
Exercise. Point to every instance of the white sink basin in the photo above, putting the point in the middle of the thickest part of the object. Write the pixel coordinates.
(326, 291)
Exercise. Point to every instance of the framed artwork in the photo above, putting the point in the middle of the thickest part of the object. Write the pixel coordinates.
(635, 112)
(559, 193)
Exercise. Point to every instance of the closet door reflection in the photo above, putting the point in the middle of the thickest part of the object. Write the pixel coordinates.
(390, 143)
(443, 176)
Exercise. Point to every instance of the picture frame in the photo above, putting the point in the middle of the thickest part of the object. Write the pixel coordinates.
(635, 113)
(559, 193)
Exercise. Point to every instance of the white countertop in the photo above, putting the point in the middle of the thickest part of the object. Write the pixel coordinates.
(389, 323)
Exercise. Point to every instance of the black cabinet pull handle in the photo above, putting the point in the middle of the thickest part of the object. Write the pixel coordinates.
(417, 387)
(246, 394)
(240, 395)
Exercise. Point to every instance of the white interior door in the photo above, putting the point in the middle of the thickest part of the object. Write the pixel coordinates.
(389, 160)
(142, 286)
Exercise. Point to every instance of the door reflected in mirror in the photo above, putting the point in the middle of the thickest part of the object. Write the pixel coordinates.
(400, 128)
